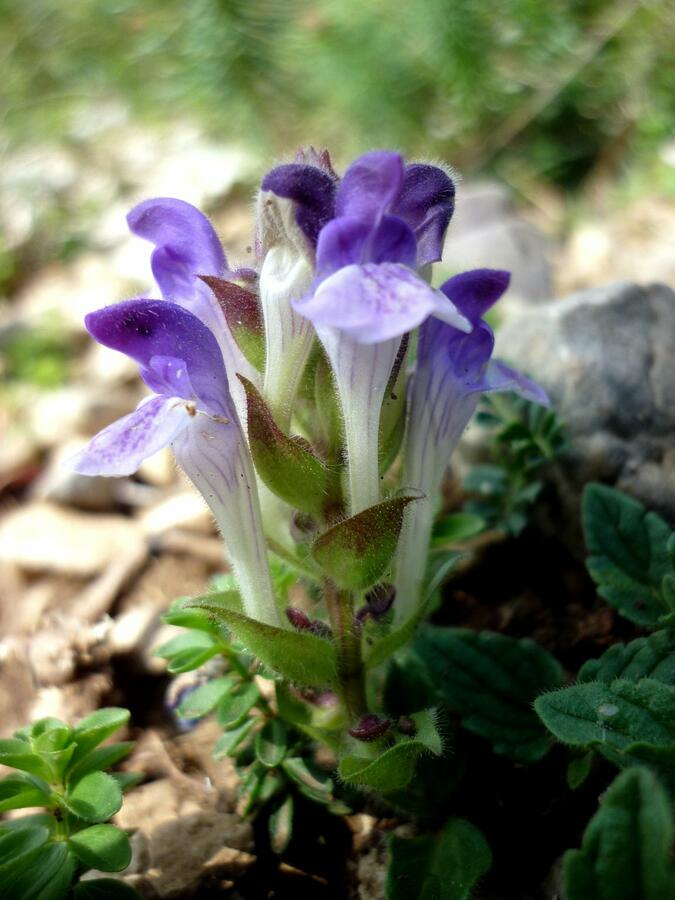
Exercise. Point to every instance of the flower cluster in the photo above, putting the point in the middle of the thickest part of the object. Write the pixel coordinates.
(315, 397)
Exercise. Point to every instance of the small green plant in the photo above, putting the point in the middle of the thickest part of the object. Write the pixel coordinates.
(526, 437)
(267, 729)
(62, 769)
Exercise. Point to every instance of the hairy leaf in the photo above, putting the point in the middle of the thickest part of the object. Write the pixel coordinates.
(355, 553)
(628, 556)
(103, 847)
(627, 721)
(490, 680)
(393, 769)
(95, 798)
(445, 866)
(626, 851)
(301, 657)
(645, 657)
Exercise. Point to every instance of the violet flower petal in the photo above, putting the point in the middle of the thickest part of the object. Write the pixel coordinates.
(370, 186)
(476, 291)
(374, 303)
(310, 188)
(121, 447)
(147, 329)
(426, 202)
(186, 246)
(350, 241)
(501, 377)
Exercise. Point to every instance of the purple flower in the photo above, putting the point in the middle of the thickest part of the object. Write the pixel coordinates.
(367, 293)
(185, 247)
(453, 370)
(192, 411)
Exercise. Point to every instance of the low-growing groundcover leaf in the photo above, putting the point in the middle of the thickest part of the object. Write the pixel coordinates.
(627, 721)
(41, 855)
(626, 851)
(491, 680)
(628, 553)
(445, 866)
(645, 657)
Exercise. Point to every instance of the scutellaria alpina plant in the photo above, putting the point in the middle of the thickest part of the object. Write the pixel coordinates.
(314, 399)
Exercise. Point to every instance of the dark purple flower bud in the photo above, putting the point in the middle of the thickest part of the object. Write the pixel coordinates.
(310, 189)
(301, 622)
(298, 619)
(303, 527)
(369, 728)
(406, 726)
(378, 602)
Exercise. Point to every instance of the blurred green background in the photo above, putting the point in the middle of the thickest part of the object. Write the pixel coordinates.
(554, 85)
(560, 99)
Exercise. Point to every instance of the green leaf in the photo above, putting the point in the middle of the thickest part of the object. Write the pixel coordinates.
(628, 552)
(287, 465)
(103, 847)
(437, 867)
(235, 706)
(20, 841)
(301, 657)
(626, 851)
(17, 754)
(228, 743)
(623, 719)
(271, 743)
(281, 825)
(20, 792)
(104, 889)
(94, 798)
(490, 680)
(197, 619)
(393, 769)
(311, 781)
(95, 728)
(127, 780)
(355, 553)
(645, 657)
(456, 528)
(205, 698)
(187, 651)
(44, 874)
(99, 759)
(579, 769)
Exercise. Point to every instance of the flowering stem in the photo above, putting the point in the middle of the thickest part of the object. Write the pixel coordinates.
(348, 640)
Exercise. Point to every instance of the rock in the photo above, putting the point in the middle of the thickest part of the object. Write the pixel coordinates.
(45, 537)
(184, 848)
(486, 232)
(607, 358)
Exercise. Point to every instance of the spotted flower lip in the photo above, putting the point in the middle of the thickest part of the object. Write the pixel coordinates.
(372, 303)
(193, 412)
(179, 359)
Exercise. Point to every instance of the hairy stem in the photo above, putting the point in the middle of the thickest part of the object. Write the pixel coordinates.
(348, 641)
